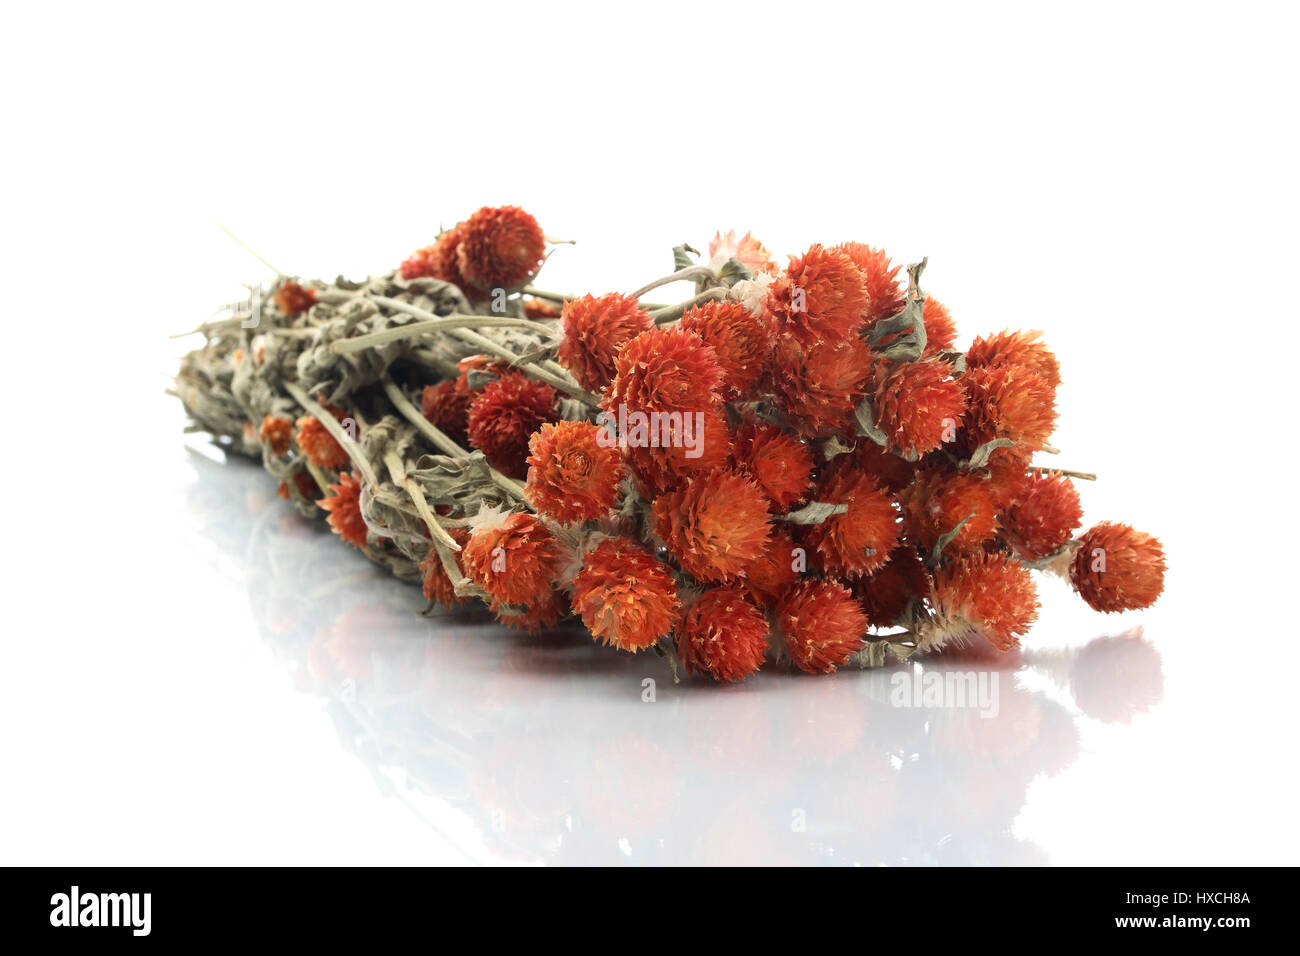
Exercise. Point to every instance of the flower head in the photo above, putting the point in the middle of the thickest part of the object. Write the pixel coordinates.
(822, 297)
(701, 445)
(1007, 401)
(665, 370)
(446, 407)
(822, 625)
(918, 405)
(319, 445)
(819, 386)
(292, 298)
(880, 277)
(986, 594)
(439, 261)
(939, 501)
(595, 328)
(859, 540)
(740, 340)
(771, 574)
(1015, 348)
(891, 471)
(277, 433)
(500, 248)
(1118, 569)
(885, 595)
(535, 308)
(746, 250)
(571, 476)
(714, 525)
(539, 615)
(504, 416)
(778, 462)
(344, 507)
(724, 635)
(940, 329)
(1043, 513)
(512, 556)
(624, 596)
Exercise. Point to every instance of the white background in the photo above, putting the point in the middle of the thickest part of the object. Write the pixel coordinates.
(1119, 175)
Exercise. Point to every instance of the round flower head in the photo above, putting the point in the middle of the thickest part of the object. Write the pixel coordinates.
(739, 338)
(500, 248)
(723, 635)
(665, 370)
(540, 309)
(344, 507)
(778, 462)
(702, 445)
(1044, 513)
(446, 406)
(292, 298)
(504, 416)
(319, 445)
(859, 540)
(1007, 402)
(1118, 569)
(624, 596)
(439, 261)
(987, 594)
(511, 556)
(940, 500)
(595, 328)
(571, 476)
(714, 525)
(1015, 348)
(822, 625)
(880, 276)
(918, 405)
(819, 387)
(436, 585)
(771, 574)
(885, 595)
(940, 329)
(277, 433)
(746, 250)
(821, 298)
(419, 264)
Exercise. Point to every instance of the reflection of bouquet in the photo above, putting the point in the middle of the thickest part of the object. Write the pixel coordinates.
(784, 464)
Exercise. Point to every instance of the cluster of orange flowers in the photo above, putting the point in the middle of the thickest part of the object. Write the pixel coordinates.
(834, 468)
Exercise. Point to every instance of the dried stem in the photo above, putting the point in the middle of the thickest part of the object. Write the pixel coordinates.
(335, 429)
(681, 275)
(1082, 475)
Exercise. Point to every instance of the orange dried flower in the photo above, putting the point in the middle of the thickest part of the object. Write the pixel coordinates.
(537, 616)
(746, 250)
(1043, 514)
(819, 387)
(624, 596)
(1118, 568)
(292, 298)
(778, 462)
(1015, 348)
(420, 264)
(769, 576)
(987, 594)
(344, 508)
(822, 625)
(665, 370)
(918, 405)
(724, 635)
(858, 541)
(891, 471)
(938, 500)
(439, 261)
(436, 585)
(500, 248)
(714, 525)
(822, 297)
(880, 277)
(504, 416)
(739, 338)
(940, 329)
(1008, 402)
(319, 445)
(595, 328)
(446, 406)
(660, 468)
(884, 595)
(276, 432)
(571, 476)
(540, 309)
(511, 556)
